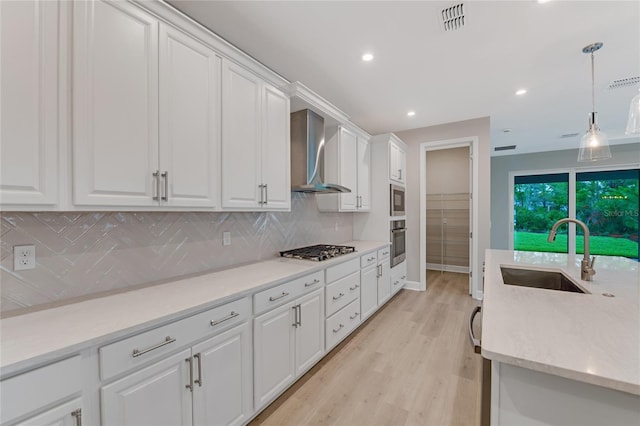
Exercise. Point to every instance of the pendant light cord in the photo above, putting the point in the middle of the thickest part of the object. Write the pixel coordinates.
(593, 85)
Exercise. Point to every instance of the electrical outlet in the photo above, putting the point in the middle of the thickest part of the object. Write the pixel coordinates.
(226, 238)
(24, 257)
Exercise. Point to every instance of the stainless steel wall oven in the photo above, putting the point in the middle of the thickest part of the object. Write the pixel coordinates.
(398, 242)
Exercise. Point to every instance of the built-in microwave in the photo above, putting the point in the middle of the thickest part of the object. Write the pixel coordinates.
(397, 201)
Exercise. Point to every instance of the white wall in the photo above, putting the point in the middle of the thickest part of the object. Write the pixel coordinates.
(413, 138)
(566, 159)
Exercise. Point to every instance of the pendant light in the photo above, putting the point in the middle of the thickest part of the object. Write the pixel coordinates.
(633, 123)
(594, 145)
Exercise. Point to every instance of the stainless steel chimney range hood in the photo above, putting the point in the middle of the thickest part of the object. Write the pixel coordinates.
(307, 154)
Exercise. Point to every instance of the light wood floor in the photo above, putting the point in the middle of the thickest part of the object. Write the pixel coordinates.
(410, 364)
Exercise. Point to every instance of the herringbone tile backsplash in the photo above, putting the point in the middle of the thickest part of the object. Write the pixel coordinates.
(83, 254)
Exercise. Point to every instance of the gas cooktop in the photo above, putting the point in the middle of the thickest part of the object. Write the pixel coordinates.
(318, 252)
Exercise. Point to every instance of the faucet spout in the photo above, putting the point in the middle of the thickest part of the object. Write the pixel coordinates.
(586, 271)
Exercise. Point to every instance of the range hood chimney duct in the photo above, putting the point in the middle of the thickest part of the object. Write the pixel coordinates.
(307, 154)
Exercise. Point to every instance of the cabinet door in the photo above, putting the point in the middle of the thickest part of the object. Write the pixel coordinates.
(368, 291)
(384, 282)
(364, 175)
(274, 353)
(224, 372)
(190, 103)
(29, 103)
(310, 331)
(348, 162)
(402, 165)
(156, 395)
(394, 162)
(240, 138)
(66, 414)
(275, 149)
(115, 95)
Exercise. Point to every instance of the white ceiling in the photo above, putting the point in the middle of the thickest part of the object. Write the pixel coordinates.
(448, 76)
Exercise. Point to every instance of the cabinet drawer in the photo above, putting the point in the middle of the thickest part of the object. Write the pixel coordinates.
(368, 260)
(342, 323)
(282, 293)
(342, 270)
(134, 351)
(384, 253)
(342, 292)
(308, 282)
(37, 388)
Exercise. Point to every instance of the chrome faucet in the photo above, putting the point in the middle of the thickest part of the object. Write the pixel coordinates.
(586, 266)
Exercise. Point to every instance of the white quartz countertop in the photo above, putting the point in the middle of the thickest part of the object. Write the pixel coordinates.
(585, 337)
(38, 337)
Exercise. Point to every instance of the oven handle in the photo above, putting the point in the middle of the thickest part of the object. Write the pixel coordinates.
(399, 230)
(475, 342)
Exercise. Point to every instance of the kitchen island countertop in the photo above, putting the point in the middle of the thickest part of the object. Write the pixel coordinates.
(46, 335)
(590, 338)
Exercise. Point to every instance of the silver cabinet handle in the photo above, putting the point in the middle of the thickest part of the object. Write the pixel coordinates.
(335, 330)
(138, 352)
(190, 384)
(399, 174)
(475, 342)
(299, 312)
(199, 380)
(273, 299)
(338, 296)
(369, 259)
(165, 195)
(403, 277)
(266, 193)
(384, 253)
(396, 282)
(78, 415)
(314, 282)
(379, 271)
(156, 179)
(354, 287)
(262, 194)
(227, 318)
(355, 315)
(295, 316)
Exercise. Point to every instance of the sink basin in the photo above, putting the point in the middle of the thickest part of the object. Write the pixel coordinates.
(551, 280)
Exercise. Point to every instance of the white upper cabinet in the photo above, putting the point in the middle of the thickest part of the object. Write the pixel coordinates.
(347, 163)
(190, 103)
(115, 108)
(397, 162)
(29, 103)
(255, 142)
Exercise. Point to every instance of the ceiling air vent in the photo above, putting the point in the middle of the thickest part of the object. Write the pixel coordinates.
(453, 17)
(504, 148)
(624, 82)
(569, 135)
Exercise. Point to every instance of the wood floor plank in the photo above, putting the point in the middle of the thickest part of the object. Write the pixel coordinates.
(411, 363)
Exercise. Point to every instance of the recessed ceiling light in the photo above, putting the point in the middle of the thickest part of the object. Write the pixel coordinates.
(521, 91)
(367, 57)
(543, 1)
(411, 113)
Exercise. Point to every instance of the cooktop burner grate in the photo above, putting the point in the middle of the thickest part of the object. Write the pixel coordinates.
(318, 252)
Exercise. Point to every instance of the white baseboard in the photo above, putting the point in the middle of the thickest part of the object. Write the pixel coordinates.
(412, 285)
(448, 268)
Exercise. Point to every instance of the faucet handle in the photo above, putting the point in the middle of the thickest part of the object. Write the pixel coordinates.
(593, 260)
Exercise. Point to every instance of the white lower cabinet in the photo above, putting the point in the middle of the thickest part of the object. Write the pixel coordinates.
(66, 414)
(398, 277)
(287, 341)
(384, 281)
(369, 290)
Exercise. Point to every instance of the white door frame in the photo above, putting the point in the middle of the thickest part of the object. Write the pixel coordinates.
(472, 143)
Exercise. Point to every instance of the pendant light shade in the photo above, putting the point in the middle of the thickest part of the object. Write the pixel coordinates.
(633, 123)
(594, 144)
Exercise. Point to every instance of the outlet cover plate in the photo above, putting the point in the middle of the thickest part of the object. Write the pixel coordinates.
(24, 257)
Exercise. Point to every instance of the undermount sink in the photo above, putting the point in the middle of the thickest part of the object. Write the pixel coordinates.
(551, 280)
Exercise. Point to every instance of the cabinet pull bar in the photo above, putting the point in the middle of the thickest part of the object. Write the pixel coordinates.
(165, 195)
(266, 193)
(355, 315)
(354, 287)
(199, 380)
(138, 352)
(338, 296)
(78, 415)
(261, 186)
(299, 315)
(273, 299)
(369, 259)
(156, 180)
(295, 316)
(315, 281)
(233, 314)
(190, 384)
(335, 330)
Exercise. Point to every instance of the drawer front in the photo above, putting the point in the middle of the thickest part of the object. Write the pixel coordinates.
(37, 388)
(275, 296)
(342, 292)
(308, 282)
(384, 253)
(154, 344)
(342, 323)
(368, 260)
(398, 277)
(334, 273)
